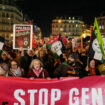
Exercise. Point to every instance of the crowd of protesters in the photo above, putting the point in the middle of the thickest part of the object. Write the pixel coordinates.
(40, 63)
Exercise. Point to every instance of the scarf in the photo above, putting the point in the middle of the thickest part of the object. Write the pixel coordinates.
(37, 72)
(17, 72)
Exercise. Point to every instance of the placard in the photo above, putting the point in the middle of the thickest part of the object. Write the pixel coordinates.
(22, 36)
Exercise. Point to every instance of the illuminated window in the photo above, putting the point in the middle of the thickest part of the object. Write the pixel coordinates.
(61, 29)
(69, 21)
(73, 18)
(69, 17)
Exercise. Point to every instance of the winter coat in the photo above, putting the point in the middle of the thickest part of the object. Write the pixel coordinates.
(43, 74)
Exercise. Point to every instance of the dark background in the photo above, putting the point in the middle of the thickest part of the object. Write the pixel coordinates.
(43, 11)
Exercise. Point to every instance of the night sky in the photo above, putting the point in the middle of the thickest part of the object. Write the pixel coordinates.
(42, 11)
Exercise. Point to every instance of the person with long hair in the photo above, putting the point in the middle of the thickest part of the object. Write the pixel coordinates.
(91, 68)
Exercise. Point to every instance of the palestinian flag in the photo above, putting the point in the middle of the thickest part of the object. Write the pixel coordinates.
(56, 46)
(96, 43)
(99, 37)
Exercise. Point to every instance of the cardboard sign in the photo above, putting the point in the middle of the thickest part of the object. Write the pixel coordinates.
(22, 36)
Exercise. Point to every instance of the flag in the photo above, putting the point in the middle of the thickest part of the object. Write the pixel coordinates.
(99, 37)
(61, 39)
(96, 43)
(56, 46)
(91, 50)
(34, 45)
(64, 40)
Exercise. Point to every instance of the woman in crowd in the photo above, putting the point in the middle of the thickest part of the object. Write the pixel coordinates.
(4, 69)
(91, 68)
(14, 69)
(4, 58)
(36, 70)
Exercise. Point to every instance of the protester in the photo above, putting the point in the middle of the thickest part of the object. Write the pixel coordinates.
(75, 66)
(101, 68)
(14, 69)
(61, 71)
(64, 65)
(4, 58)
(26, 59)
(4, 69)
(36, 70)
(83, 57)
(91, 68)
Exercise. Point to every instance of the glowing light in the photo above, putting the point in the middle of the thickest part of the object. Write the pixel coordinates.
(59, 21)
(84, 35)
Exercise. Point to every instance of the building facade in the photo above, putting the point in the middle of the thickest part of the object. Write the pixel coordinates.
(9, 15)
(70, 27)
(101, 23)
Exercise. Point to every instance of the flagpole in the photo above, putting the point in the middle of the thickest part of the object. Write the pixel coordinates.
(88, 49)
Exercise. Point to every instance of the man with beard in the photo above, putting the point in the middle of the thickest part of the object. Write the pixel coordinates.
(75, 66)
(72, 68)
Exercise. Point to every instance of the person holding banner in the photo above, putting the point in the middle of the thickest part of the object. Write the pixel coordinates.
(36, 70)
(75, 66)
(14, 69)
(4, 69)
(91, 68)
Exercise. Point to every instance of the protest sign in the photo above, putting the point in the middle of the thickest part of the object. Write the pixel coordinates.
(22, 36)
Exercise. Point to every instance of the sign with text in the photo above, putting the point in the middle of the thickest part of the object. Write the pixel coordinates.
(65, 91)
(22, 36)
